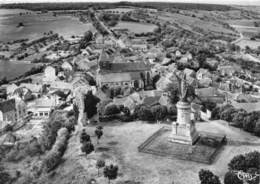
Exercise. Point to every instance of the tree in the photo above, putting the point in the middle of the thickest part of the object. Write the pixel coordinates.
(238, 163)
(111, 172)
(87, 147)
(252, 160)
(84, 137)
(99, 133)
(231, 178)
(91, 102)
(100, 164)
(207, 177)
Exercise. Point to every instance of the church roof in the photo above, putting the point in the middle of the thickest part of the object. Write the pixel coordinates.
(128, 67)
(119, 77)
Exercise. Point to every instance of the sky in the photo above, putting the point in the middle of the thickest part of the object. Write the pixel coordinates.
(236, 2)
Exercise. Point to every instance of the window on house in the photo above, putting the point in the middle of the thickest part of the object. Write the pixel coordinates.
(41, 113)
(46, 113)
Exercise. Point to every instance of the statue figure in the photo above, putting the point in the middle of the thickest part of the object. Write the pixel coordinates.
(183, 89)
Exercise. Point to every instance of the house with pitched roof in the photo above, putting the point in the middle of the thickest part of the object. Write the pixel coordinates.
(41, 108)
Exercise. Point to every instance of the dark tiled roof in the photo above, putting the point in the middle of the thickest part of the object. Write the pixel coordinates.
(151, 100)
(120, 77)
(129, 67)
(7, 105)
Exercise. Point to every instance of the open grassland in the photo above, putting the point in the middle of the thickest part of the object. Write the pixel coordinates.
(136, 27)
(243, 22)
(37, 24)
(250, 8)
(11, 70)
(195, 22)
(119, 145)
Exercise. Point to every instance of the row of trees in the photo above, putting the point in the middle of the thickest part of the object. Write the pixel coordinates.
(250, 122)
(97, 24)
(110, 171)
(109, 19)
(54, 156)
(249, 163)
(142, 112)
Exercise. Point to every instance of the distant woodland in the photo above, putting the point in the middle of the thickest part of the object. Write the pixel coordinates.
(82, 6)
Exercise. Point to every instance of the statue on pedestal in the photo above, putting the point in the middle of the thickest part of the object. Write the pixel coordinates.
(183, 130)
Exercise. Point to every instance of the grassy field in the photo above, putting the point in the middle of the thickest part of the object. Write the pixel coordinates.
(37, 24)
(243, 22)
(10, 69)
(136, 27)
(119, 145)
(120, 10)
(245, 26)
(193, 22)
(252, 44)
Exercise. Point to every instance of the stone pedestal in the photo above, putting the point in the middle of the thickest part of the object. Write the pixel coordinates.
(184, 130)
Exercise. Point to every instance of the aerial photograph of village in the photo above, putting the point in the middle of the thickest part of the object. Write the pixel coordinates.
(130, 92)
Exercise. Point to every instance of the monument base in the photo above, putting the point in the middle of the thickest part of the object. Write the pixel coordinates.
(184, 133)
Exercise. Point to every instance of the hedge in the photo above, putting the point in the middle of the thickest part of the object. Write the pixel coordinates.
(54, 156)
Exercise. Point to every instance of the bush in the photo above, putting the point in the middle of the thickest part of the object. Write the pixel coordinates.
(34, 148)
(145, 114)
(61, 141)
(252, 160)
(70, 124)
(112, 109)
(159, 112)
(17, 153)
(54, 156)
(57, 120)
(52, 159)
(231, 178)
(207, 177)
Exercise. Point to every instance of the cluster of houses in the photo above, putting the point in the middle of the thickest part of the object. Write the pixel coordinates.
(129, 63)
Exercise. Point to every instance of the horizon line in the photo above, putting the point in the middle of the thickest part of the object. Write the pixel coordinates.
(129, 1)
